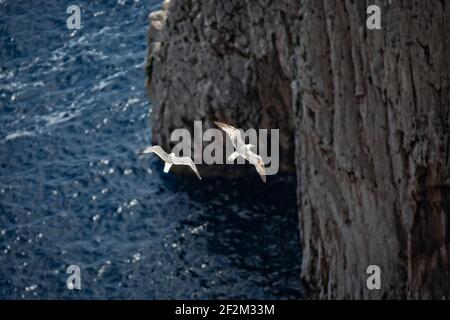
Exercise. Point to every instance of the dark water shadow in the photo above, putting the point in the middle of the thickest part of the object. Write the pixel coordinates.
(252, 225)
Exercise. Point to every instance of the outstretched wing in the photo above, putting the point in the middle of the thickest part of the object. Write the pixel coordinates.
(156, 150)
(232, 132)
(258, 162)
(186, 161)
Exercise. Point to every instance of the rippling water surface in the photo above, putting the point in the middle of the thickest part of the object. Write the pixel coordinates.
(73, 113)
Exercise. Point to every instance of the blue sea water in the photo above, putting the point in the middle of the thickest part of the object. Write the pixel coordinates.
(73, 113)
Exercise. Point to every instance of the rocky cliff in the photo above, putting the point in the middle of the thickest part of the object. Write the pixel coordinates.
(369, 110)
(372, 129)
(222, 60)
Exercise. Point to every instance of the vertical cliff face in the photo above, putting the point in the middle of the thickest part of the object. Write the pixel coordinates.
(370, 112)
(226, 60)
(372, 141)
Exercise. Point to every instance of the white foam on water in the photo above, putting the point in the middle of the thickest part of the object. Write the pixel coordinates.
(59, 117)
(18, 134)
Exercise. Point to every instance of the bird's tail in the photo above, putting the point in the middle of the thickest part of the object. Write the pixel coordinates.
(167, 167)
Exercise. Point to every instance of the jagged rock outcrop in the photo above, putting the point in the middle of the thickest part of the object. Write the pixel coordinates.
(370, 111)
(225, 60)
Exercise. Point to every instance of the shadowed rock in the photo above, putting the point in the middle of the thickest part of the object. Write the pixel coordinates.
(222, 60)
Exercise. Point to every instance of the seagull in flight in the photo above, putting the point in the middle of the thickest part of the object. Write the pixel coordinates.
(243, 149)
(170, 159)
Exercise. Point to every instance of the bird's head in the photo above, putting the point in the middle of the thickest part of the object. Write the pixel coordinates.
(250, 146)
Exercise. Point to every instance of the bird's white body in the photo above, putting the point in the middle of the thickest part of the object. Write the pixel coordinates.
(171, 159)
(242, 149)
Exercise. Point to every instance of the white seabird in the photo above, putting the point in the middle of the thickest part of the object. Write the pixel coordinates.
(243, 149)
(170, 159)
